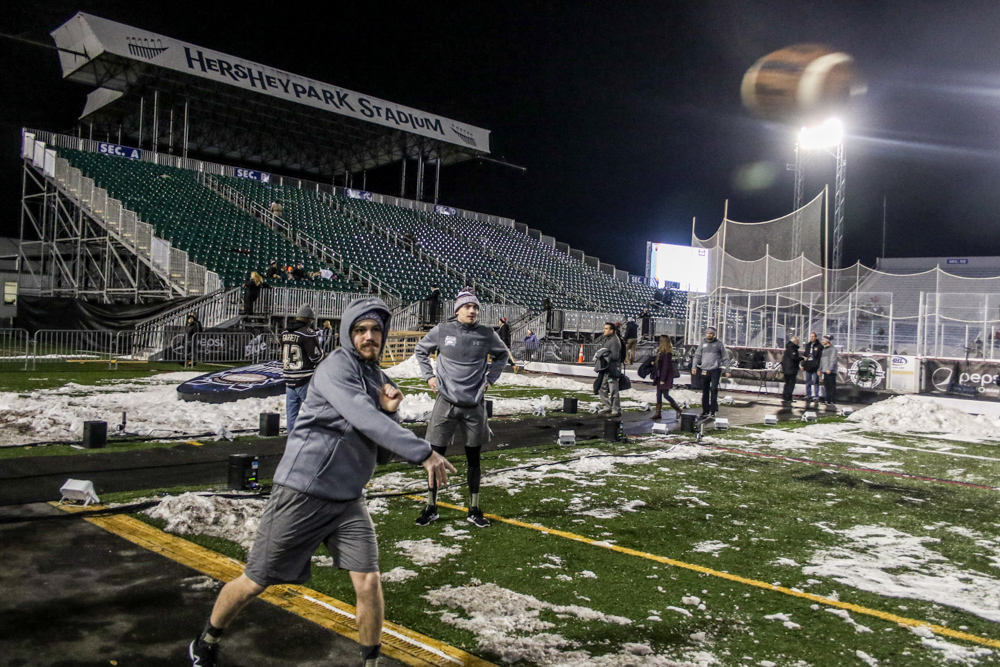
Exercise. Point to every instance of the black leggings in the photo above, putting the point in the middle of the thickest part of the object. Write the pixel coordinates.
(475, 471)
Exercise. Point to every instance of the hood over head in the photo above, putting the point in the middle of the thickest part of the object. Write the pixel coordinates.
(355, 310)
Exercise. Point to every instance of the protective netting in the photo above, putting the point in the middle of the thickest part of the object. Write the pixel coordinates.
(785, 238)
(932, 313)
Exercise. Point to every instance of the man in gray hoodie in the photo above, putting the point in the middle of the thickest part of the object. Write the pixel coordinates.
(318, 495)
(828, 369)
(710, 360)
(462, 376)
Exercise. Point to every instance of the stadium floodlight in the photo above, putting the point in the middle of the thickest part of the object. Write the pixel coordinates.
(826, 135)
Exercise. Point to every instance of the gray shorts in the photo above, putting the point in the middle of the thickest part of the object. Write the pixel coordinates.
(295, 524)
(447, 417)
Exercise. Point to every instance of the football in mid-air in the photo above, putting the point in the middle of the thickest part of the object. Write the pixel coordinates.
(801, 83)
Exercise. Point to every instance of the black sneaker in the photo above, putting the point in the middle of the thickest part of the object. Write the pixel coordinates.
(477, 519)
(428, 516)
(203, 654)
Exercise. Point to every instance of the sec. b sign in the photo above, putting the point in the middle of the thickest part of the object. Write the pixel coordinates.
(119, 151)
(253, 174)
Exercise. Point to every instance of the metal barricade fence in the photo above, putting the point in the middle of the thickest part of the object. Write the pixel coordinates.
(59, 345)
(14, 346)
(231, 347)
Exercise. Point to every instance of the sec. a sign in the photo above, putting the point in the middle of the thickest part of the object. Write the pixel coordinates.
(254, 175)
(119, 151)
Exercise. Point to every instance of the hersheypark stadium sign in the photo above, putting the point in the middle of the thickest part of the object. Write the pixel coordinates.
(94, 36)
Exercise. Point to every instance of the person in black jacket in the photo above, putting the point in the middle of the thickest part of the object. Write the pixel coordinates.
(251, 291)
(810, 364)
(192, 327)
(790, 367)
(631, 340)
(504, 332)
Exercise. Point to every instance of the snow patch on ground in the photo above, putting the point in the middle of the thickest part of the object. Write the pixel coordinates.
(426, 551)
(151, 404)
(397, 574)
(234, 519)
(895, 564)
(908, 414)
(510, 625)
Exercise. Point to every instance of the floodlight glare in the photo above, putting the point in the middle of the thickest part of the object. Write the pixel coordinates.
(826, 135)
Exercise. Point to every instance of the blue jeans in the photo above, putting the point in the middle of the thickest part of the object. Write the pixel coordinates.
(294, 398)
(813, 385)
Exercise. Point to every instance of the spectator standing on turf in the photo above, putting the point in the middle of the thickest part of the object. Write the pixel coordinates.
(301, 352)
(665, 377)
(631, 340)
(251, 292)
(709, 361)
(828, 369)
(318, 495)
(608, 364)
(192, 327)
(461, 379)
(530, 345)
(790, 362)
(810, 364)
(328, 337)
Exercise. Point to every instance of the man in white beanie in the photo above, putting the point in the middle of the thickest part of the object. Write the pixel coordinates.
(301, 352)
(461, 378)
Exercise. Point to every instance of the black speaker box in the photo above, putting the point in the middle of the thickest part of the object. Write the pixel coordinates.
(243, 471)
(270, 422)
(95, 435)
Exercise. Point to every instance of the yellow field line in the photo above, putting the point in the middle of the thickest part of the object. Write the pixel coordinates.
(398, 642)
(193, 442)
(902, 620)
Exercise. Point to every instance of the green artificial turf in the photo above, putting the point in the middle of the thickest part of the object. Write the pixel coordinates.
(771, 516)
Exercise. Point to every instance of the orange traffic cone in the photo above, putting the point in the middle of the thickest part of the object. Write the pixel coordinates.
(580, 359)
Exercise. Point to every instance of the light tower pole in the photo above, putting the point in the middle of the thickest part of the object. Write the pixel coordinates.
(829, 137)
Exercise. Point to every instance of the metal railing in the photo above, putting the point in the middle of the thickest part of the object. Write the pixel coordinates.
(63, 345)
(14, 346)
(316, 248)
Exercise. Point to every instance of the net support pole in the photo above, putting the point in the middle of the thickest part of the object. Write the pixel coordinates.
(850, 320)
(985, 317)
(890, 346)
(142, 112)
(919, 351)
(826, 252)
(747, 339)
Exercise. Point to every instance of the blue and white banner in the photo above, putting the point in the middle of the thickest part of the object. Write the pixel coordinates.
(119, 151)
(254, 175)
(445, 210)
(89, 34)
(360, 194)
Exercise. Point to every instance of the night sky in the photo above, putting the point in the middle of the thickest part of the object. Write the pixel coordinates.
(626, 115)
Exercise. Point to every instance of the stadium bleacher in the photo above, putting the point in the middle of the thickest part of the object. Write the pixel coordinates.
(228, 240)
(214, 232)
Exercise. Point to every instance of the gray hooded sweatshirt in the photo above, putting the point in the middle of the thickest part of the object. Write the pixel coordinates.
(711, 355)
(828, 362)
(331, 452)
(462, 370)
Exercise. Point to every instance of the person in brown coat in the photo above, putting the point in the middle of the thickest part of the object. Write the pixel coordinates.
(665, 377)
